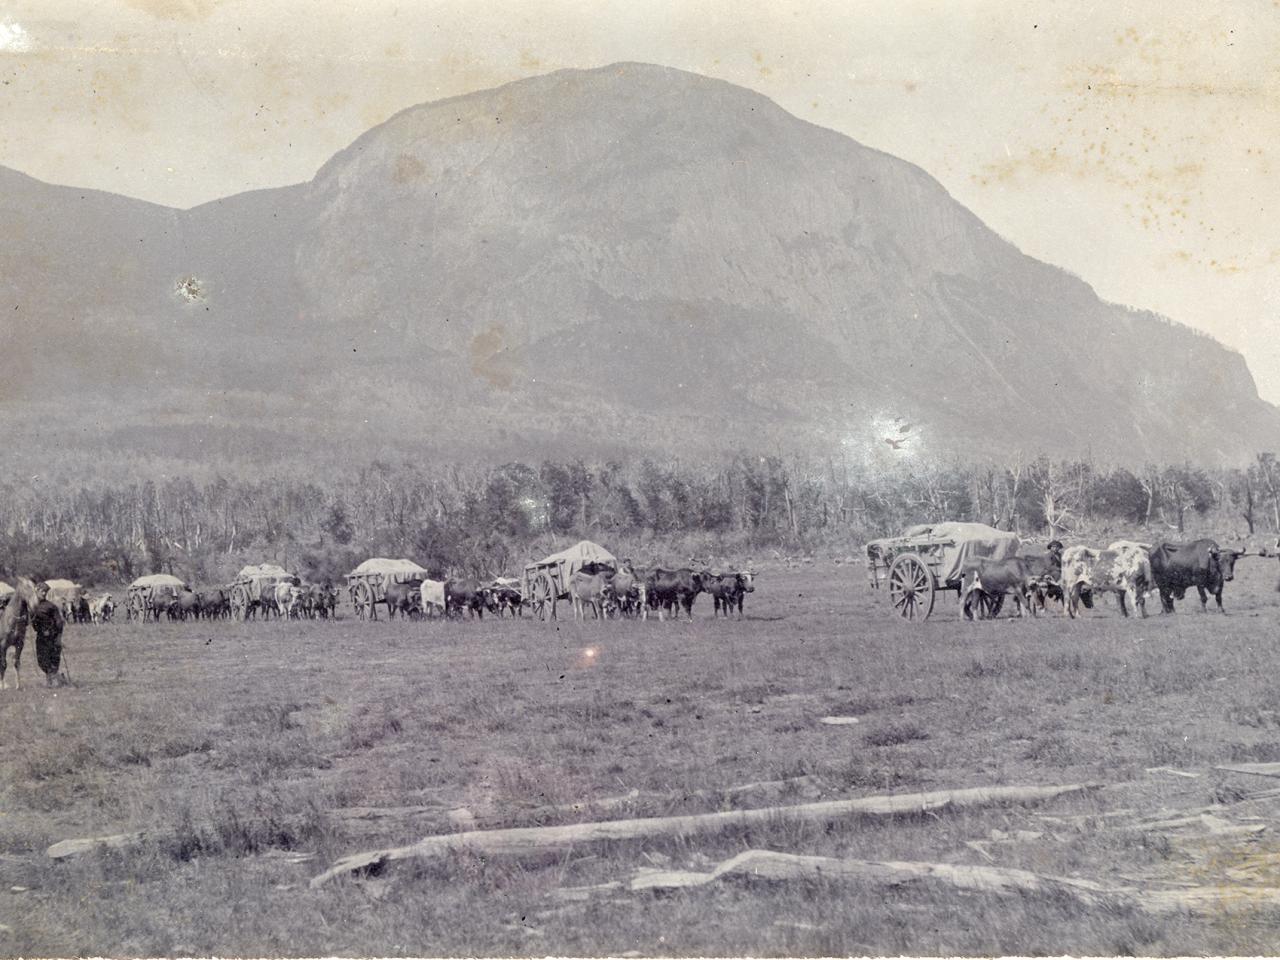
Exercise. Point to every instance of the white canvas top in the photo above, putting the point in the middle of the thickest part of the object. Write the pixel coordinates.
(5, 589)
(256, 570)
(158, 580)
(62, 585)
(579, 555)
(401, 571)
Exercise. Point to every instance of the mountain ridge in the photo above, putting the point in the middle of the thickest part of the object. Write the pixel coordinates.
(589, 254)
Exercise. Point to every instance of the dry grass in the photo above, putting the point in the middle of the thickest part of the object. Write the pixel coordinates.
(232, 744)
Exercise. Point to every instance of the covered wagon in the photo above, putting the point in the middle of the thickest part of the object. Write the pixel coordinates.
(368, 583)
(254, 589)
(148, 595)
(930, 557)
(547, 580)
(68, 595)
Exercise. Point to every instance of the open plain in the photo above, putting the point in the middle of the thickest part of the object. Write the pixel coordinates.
(241, 760)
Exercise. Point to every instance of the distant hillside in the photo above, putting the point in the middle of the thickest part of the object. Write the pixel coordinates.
(595, 260)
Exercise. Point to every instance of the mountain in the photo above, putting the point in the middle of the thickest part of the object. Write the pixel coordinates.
(594, 261)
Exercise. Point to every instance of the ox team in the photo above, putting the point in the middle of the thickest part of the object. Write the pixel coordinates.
(1074, 575)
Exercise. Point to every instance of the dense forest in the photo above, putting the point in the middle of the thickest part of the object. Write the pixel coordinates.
(99, 523)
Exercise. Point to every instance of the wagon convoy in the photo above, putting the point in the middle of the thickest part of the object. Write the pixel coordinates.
(984, 567)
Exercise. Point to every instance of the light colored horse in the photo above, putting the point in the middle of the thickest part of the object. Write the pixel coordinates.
(13, 628)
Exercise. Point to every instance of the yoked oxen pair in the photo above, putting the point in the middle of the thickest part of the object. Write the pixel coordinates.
(1124, 568)
(728, 590)
(1201, 564)
(465, 594)
(671, 590)
(1028, 578)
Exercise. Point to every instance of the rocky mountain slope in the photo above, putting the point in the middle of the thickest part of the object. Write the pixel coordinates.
(592, 261)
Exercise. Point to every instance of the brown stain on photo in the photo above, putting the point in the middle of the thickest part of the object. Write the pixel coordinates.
(408, 169)
(491, 357)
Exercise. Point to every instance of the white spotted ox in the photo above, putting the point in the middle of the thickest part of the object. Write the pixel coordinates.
(1124, 569)
(102, 608)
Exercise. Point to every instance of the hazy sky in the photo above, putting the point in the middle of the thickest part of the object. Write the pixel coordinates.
(1137, 145)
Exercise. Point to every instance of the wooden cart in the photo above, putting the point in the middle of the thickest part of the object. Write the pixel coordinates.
(547, 580)
(929, 558)
(367, 583)
(253, 585)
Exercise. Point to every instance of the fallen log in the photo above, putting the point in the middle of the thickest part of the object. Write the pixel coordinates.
(526, 840)
(1257, 769)
(1000, 881)
(996, 881)
(74, 848)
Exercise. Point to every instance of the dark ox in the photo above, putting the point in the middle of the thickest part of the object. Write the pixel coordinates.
(403, 598)
(728, 590)
(214, 604)
(1030, 578)
(462, 595)
(503, 598)
(1201, 564)
(672, 590)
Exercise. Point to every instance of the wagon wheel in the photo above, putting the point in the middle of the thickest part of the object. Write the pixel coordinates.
(240, 603)
(542, 595)
(362, 600)
(911, 587)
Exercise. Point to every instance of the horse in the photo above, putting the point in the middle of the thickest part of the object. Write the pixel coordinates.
(13, 628)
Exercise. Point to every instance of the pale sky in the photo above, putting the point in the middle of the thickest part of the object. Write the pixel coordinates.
(1137, 145)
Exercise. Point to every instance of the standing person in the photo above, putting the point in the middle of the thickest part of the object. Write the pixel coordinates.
(47, 621)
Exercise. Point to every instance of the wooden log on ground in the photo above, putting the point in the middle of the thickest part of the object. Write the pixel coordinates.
(999, 881)
(74, 848)
(996, 881)
(527, 840)
(1257, 769)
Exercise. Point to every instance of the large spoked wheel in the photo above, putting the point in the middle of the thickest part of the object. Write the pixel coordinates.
(240, 603)
(362, 600)
(911, 587)
(542, 596)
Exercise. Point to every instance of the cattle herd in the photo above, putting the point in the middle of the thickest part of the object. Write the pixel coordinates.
(1075, 575)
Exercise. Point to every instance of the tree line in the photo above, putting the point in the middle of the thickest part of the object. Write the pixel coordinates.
(104, 525)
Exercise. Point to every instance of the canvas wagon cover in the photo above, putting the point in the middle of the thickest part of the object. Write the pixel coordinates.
(394, 571)
(578, 556)
(153, 580)
(256, 572)
(55, 585)
(968, 540)
(5, 589)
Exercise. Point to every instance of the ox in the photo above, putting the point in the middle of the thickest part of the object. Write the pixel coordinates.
(214, 604)
(504, 597)
(431, 597)
(986, 581)
(728, 590)
(185, 605)
(591, 589)
(631, 592)
(1201, 564)
(102, 609)
(464, 594)
(403, 598)
(1126, 572)
(672, 590)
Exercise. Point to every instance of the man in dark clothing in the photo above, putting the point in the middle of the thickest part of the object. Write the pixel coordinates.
(47, 621)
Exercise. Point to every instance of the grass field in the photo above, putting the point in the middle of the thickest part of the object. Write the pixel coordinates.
(242, 748)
